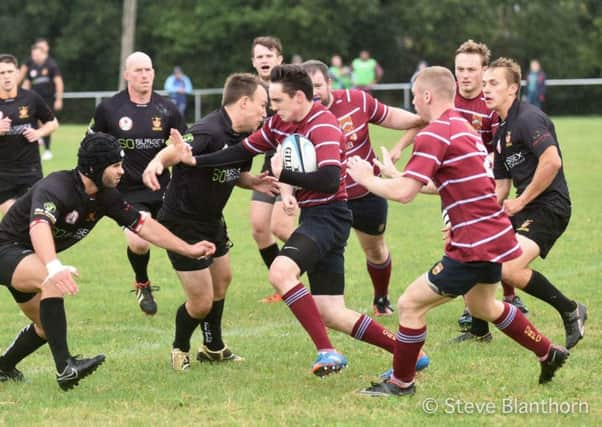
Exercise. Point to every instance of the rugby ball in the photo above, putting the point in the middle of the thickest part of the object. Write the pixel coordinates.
(298, 154)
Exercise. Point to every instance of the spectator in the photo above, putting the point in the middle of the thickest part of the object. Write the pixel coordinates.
(536, 84)
(178, 85)
(340, 75)
(366, 71)
(296, 59)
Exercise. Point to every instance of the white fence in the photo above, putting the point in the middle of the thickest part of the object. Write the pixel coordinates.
(197, 94)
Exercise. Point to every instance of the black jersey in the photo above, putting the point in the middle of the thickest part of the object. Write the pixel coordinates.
(61, 201)
(142, 131)
(201, 194)
(42, 77)
(525, 134)
(20, 158)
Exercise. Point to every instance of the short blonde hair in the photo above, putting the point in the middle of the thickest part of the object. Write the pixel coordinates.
(472, 47)
(439, 80)
(511, 69)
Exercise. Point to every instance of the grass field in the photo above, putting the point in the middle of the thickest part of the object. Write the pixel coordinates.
(464, 385)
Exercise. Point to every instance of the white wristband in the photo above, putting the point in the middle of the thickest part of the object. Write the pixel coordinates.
(54, 267)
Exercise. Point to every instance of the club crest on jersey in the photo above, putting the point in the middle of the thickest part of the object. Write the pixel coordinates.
(125, 123)
(91, 216)
(437, 269)
(525, 226)
(477, 122)
(71, 217)
(33, 73)
(508, 139)
(157, 125)
(23, 112)
(346, 125)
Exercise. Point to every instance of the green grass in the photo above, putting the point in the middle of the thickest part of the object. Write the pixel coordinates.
(274, 386)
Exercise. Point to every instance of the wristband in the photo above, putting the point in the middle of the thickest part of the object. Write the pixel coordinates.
(54, 267)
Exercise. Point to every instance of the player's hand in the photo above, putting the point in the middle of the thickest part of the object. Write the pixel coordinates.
(513, 206)
(387, 168)
(183, 150)
(58, 104)
(267, 184)
(149, 176)
(276, 163)
(289, 204)
(395, 153)
(359, 169)
(31, 134)
(5, 123)
(202, 249)
(62, 279)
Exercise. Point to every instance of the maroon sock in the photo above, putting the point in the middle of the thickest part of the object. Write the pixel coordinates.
(380, 275)
(514, 324)
(408, 343)
(372, 332)
(509, 293)
(303, 306)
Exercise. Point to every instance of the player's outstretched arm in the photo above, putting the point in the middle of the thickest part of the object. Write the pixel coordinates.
(400, 189)
(155, 233)
(264, 183)
(406, 140)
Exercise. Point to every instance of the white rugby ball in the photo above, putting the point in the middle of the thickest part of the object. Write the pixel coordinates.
(298, 154)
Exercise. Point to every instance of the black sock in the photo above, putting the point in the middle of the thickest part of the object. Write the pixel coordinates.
(479, 327)
(54, 322)
(139, 264)
(212, 327)
(541, 288)
(185, 326)
(26, 342)
(269, 254)
(46, 142)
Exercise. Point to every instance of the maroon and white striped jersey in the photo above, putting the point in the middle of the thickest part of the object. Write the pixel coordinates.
(354, 109)
(484, 120)
(320, 126)
(451, 154)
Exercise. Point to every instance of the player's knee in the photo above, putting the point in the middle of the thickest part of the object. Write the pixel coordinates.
(377, 254)
(198, 307)
(485, 310)
(139, 247)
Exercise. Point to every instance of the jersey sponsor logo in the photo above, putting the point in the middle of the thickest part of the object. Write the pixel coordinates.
(508, 139)
(157, 125)
(125, 123)
(525, 226)
(78, 234)
(224, 176)
(141, 143)
(514, 160)
(23, 112)
(346, 125)
(437, 269)
(71, 217)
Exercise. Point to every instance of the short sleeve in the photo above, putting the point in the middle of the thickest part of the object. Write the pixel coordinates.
(121, 211)
(428, 154)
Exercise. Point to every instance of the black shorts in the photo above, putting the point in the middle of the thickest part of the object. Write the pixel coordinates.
(192, 232)
(369, 214)
(451, 278)
(13, 189)
(11, 255)
(262, 197)
(541, 225)
(145, 200)
(326, 229)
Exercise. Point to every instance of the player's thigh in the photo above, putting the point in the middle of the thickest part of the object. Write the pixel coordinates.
(221, 275)
(261, 216)
(197, 285)
(282, 224)
(530, 252)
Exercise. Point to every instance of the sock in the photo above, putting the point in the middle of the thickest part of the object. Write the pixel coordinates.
(269, 254)
(380, 275)
(514, 324)
(211, 327)
(509, 292)
(408, 343)
(541, 288)
(185, 326)
(46, 140)
(303, 306)
(26, 342)
(479, 327)
(139, 264)
(54, 322)
(372, 332)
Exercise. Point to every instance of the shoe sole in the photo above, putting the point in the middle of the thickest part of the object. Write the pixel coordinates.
(325, 370)
(69, 385)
